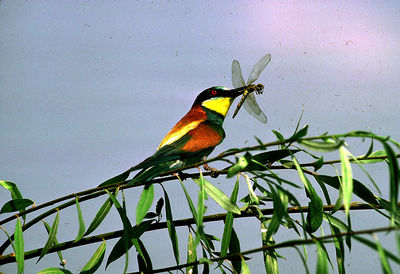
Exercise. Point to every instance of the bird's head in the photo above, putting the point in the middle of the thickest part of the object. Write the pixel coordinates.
(218, 99)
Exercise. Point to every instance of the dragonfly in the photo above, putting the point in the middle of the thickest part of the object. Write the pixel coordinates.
(248, 99)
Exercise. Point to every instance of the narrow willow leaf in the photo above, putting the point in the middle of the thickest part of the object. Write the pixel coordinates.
(190, 202)
(16, 205)
(241, 164)
(191, 255)
(95, 261)
(145, 202)
(270, 260)
(126, 226)
(82, 229)
(299, 134)
(373, 246)
(226, 237)
(245, 267)
(54, 270)
(117, 179)
(279, 136)
(100, 215)
(322, 262)
(358, 188)
(382, 256)
(339, 248)
(394, 172)
(171, 227)
(52, 236)
(234, 248)
(200, 210)
(146, 264)
(60, 256)
(134, 233)
(218, 196)
(253, 195)
(321, 146)
(10, 186)
(19, 246)
(347, 179)
(159, 206)
(316, 208)
(279, 212)
(378, 153)
(303, 258)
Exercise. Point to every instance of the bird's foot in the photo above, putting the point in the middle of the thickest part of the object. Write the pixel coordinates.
(181, 175)
(213, 171)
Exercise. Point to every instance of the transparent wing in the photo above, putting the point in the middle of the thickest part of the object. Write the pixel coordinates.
(237, 76)
(258, 68)
(251, 106)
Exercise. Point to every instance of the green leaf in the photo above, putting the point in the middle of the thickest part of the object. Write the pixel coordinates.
(378, 153)
(270, 258)
(10, 186)
(200, 210)
(134, 234)
(322, 263)
(16, 205)
(279, 212)
(144, 259)
(145, 201)
(19, 246)
(278, 135)
(60, 256)
(94, 263)
(241, 164)
(359, 189)
(171, 227)
(245, 267)
(126, 225)
(159, 206)
(117, 179)
(321, 146)
(54, 270)
(382, 256)
(82, 229)
(316, 208)
(100, 215)
(234, 248)
(218, 196)
(191, 255)
(299, 134)
(347, 179)
(52, 236)
(226, 237)
(394, 172)
(190, 202)
(339, 248)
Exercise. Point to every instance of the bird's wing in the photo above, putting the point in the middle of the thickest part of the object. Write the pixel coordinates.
(196, 142)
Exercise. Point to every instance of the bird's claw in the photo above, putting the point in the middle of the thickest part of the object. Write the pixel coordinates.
(213, 171)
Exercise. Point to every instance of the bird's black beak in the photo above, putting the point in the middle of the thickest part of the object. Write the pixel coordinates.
(237, 91)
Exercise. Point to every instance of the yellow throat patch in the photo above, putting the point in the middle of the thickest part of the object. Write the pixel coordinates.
(219, 104)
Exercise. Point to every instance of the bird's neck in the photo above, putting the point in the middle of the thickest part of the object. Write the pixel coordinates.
(214, 117)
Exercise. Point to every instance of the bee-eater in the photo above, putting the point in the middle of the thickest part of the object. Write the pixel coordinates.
(194, 137)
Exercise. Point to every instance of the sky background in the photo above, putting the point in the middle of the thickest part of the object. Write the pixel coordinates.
(89, 88)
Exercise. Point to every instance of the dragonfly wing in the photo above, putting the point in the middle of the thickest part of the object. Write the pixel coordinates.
(258, 68)
(237, 76)
(251, 106)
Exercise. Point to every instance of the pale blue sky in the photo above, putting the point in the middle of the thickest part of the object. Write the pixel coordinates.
(89, 88)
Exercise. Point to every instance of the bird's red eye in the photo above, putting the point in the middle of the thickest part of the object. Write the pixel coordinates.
(214, 92)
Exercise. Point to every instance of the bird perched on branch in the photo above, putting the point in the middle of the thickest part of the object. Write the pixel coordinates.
(194, 137)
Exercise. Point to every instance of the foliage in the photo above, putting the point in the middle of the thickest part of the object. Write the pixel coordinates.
(272, 199)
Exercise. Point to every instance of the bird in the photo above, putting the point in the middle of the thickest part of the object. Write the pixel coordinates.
(194, 137)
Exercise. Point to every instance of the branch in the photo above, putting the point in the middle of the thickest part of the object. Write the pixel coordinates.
(290, 243)
(4, 259)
